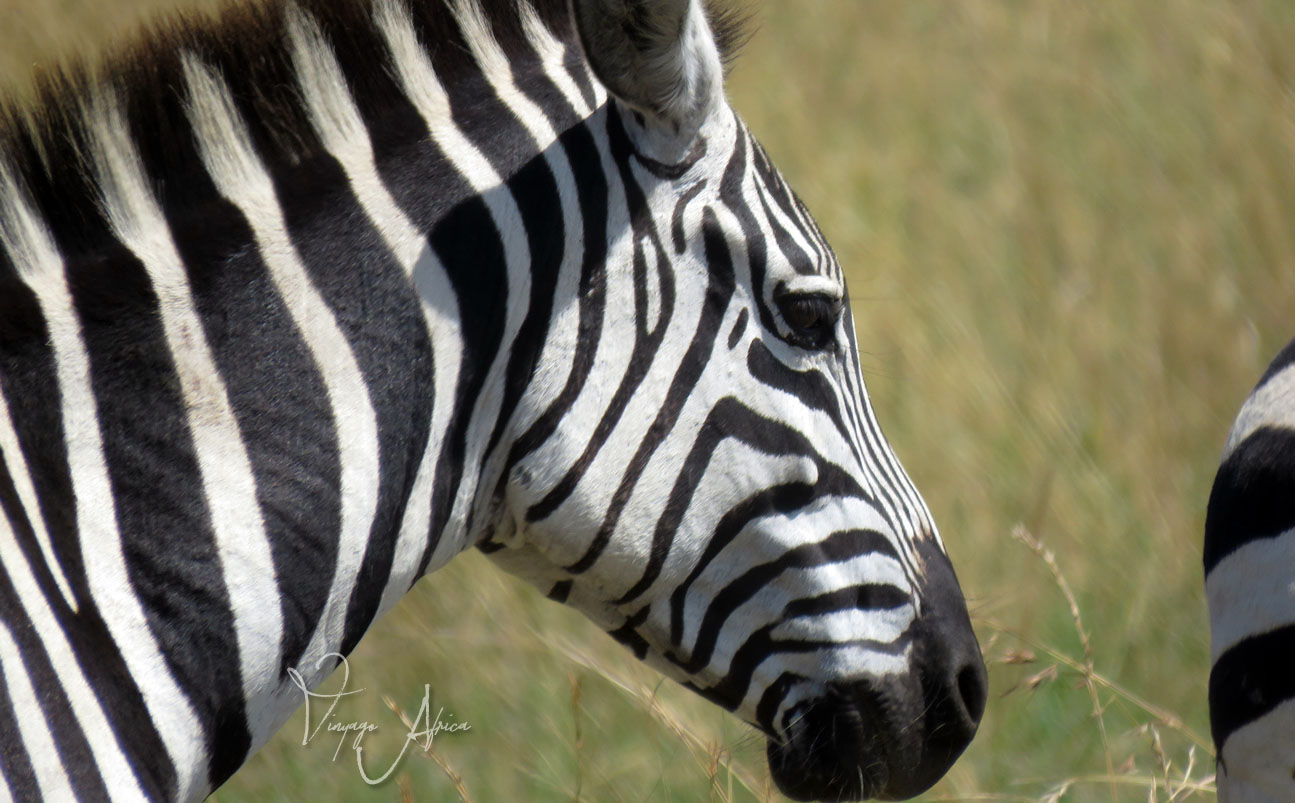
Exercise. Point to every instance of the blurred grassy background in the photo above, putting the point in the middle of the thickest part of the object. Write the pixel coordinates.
(1068, 232)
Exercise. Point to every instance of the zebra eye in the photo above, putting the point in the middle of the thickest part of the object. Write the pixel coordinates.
(811, 319)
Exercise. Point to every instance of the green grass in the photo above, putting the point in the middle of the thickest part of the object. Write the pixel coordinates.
(1068, 234)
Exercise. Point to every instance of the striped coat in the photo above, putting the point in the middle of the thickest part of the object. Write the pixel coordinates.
(297, 306)
(1250, 583)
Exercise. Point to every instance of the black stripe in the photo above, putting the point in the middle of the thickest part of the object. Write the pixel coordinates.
(732, 688)
(730, 419)
(69, 741)
(392, 122)
(670, 171)
(863, 597)
(273, 388)
(719, 291)
(772, 698)
(739, 328)
(645, 343)
(628, 635)
(1253, 495)
(592, 188)
(280, 405)
(531, 184)
(161, 510)
(836, 548)
(791, 252)
(732, 193)
(810, 387)
(530, 78)
(378, 313)
(771, 184)
(471, 251)
(29, 383)
(852, 385)
(677, 232)
(15, 762)
(61, 190)
(475, 107)
(535, 191)
(577, 67)
(893, 485)
(28, 379)
(468, 245)
(1249, 680)
(774, 501)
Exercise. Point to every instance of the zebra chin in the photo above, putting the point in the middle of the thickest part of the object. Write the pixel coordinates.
(890, 737)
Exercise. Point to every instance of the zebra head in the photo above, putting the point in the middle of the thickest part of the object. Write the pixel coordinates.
(705, 477)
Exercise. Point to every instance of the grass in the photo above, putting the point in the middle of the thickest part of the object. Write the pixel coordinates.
(1068, 234)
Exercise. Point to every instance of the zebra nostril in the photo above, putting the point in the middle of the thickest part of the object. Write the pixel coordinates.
(973, 690)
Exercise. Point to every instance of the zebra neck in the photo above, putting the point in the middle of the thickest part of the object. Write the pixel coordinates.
(323, 258)
(437, 173)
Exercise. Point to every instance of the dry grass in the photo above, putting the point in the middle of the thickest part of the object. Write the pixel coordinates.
(1068, 231)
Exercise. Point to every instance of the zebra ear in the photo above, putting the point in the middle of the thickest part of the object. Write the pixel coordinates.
(658, 56)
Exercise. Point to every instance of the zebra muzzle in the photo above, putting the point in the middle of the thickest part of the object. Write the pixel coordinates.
(895, 736)
(858, 742)
(832, 749)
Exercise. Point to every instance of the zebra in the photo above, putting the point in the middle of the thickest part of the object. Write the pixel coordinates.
(1249, 559)
(299, 304)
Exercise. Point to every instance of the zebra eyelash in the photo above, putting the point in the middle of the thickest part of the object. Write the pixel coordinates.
(811, 319)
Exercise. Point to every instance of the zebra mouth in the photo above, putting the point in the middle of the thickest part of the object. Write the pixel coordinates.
(833, 749)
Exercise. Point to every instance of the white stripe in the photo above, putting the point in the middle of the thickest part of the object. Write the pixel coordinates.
(343, 133)
(1271, 405)
(1251, 591)
(441, 306)
(428, 96)
(12, 456)
(560, 347)
(766, 210)
(341, 129)
(228, 483)
(93, 723)
(230, 159)
(843, 662)
(415, 527)
(40, 264)
(1255, 765)
(553, 58)
(51, 777)
(494, 65)
(612, 351)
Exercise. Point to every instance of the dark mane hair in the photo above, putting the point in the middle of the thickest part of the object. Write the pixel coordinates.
(733, 25)
(44, 142)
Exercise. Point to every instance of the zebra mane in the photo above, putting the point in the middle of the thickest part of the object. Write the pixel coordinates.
(45, 144)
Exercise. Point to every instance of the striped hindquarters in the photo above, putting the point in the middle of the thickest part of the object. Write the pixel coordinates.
(1250, 582)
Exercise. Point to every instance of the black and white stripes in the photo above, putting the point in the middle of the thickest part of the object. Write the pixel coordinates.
(1250, 584)
(296, 307)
